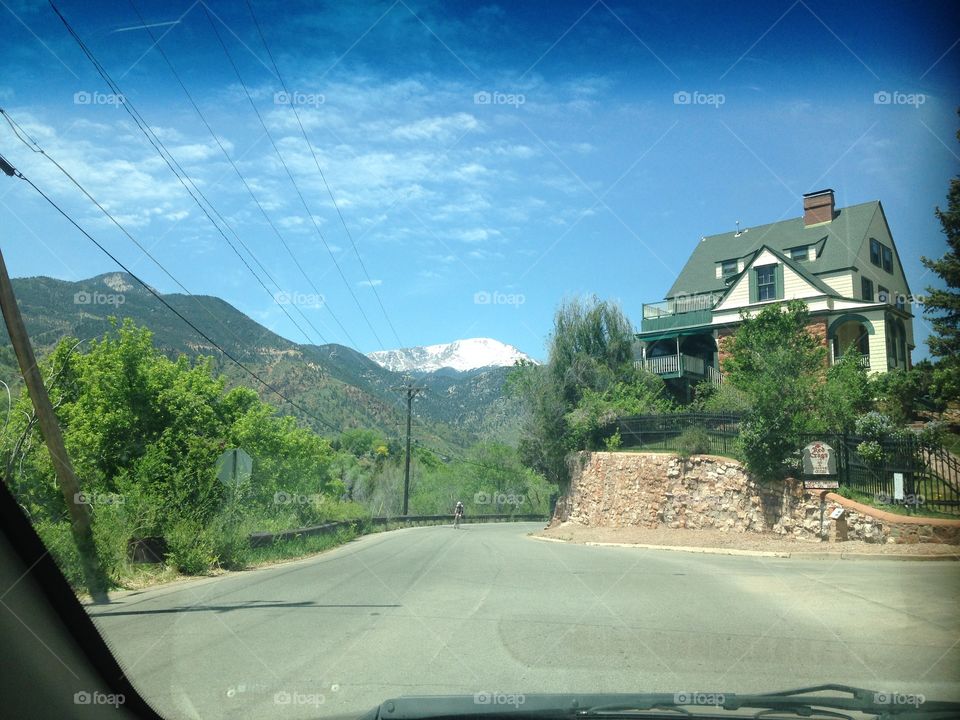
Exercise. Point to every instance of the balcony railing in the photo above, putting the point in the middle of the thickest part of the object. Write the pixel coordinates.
(863, 360)
(680, 311)
(681, 304)
(674, 365)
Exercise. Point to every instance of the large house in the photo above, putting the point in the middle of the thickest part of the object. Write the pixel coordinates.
(841, 261)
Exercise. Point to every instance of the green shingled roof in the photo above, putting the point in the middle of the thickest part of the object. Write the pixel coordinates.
(841, 241)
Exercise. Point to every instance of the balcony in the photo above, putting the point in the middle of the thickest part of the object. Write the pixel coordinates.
(863, 360)
(679, 312)
(681, 365)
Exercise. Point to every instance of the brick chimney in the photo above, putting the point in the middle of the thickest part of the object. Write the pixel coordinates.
(817, 207)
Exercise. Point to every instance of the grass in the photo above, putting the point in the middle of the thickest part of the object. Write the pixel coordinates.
(299, 547)
(866, 499)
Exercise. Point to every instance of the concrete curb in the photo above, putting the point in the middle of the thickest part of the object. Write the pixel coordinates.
(802, 555)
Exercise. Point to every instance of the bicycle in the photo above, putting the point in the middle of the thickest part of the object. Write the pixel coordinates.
(457, 516)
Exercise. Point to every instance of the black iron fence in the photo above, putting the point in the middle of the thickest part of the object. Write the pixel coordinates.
(929, 472)
(676, 432)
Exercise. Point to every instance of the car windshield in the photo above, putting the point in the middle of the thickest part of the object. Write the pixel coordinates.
(508, 351)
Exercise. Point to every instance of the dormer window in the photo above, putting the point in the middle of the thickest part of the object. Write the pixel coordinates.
(799, 253)
(728, 268)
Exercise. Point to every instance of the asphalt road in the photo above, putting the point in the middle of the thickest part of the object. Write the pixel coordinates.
(486, 608)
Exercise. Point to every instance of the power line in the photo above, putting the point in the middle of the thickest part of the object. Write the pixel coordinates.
(233, 164)
(172, 163)
(316, 161)
(226, 353)
(34, 146)
(293, 182)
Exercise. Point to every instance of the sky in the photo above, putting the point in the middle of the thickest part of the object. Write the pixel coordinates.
(487, 160)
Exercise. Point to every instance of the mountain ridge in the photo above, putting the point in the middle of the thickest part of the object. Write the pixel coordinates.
(461, 355)
(338, 384)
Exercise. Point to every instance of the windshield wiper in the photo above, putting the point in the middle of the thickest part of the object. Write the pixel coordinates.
(802, 702)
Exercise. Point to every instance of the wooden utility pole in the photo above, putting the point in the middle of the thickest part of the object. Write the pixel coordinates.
(411, 392)
(80, 517)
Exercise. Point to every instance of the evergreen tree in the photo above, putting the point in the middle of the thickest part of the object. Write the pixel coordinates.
(942, 305)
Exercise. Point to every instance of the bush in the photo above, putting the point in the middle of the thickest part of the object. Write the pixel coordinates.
(190, 548)
(614, 442)
(932, 434)
(873, 425)
(693, 441)
(58, 539)
(111, 534)
(871, 451)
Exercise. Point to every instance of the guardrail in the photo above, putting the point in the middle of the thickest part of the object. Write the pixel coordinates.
(262, 539)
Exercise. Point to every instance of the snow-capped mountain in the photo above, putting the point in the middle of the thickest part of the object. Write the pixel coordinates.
(460, 355)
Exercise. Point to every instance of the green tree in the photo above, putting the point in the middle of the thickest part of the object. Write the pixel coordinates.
(942, 305)
(779, 365)
(588, 379)
(845, 394)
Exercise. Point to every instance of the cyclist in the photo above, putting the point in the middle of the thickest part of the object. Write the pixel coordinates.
(458, 514)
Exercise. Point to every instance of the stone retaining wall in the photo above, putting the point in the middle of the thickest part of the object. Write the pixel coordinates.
(657, 489)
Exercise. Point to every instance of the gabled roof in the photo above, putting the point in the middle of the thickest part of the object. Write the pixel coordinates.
(797, 267)
(838, 243)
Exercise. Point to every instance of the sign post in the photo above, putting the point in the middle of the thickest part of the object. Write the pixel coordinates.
(820, 472)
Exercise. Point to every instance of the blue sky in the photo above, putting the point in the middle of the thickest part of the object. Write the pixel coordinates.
(488, 159)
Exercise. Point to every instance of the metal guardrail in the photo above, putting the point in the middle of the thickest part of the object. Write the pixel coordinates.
(263, 539)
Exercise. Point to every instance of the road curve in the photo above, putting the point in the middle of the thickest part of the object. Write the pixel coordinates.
(485, 608)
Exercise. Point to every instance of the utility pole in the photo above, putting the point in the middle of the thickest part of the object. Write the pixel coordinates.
(93, 573)
(411, 392)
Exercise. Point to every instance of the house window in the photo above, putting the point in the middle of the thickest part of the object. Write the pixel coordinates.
(875, 252)
(728, 268)
(901, 302)
(883, 295)
(866, 288)
(798, 253)
(887, 259)
(766, 283)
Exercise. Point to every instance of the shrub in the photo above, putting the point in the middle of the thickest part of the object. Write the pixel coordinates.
(693, 441)
(873, 425)
(932, 433)
(614, 442)
(190, 548)
(871, 451)
(58, 539)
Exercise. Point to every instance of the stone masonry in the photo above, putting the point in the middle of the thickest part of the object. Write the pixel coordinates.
(653, 490)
